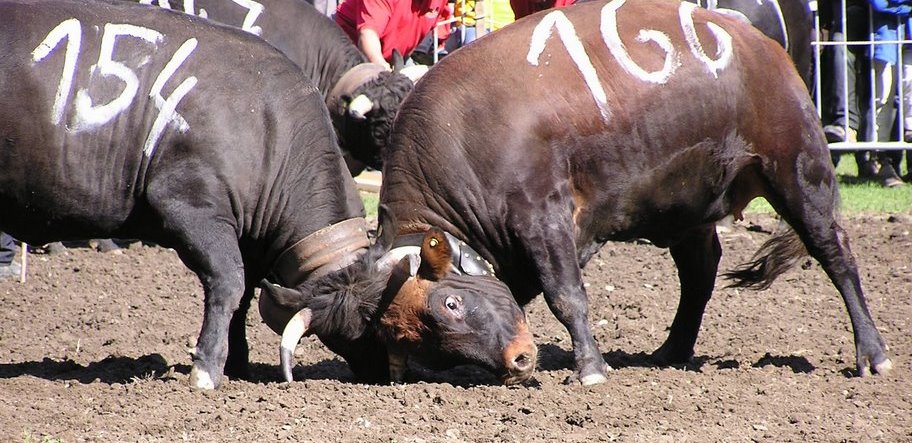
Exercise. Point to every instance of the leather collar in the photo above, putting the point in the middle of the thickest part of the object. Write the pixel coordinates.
(465, 259)
(331, 248)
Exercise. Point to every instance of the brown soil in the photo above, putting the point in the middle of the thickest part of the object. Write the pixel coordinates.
(93, 347)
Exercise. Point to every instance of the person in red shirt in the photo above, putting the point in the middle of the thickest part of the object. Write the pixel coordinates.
(380, 26)
(522, 8)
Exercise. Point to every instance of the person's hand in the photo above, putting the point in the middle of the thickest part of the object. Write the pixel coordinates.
(369, 44)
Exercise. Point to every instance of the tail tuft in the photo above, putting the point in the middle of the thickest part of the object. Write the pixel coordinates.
(777, 255)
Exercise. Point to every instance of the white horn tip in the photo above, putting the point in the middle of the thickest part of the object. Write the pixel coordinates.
(414, 72)
(294, 330)
(360, 106)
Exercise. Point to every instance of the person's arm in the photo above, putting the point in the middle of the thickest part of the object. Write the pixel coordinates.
(369, 44)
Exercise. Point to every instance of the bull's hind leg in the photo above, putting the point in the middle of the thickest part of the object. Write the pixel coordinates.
(697, 258)
(806, 198)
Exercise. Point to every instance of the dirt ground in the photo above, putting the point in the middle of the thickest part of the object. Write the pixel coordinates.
(93, 347)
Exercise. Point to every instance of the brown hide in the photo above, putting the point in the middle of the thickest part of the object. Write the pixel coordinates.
(435, 255)
(401, 322)
(536, 137)
(614, 120)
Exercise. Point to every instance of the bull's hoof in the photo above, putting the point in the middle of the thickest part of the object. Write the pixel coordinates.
(201, 379)
(106, 245)
(882, 368)
(594, 377)
(668, 355)
(55, 248)
(239, 371)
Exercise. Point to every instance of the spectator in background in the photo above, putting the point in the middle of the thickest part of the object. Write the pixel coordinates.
(497, 14)
(8, 268)
(465, 29)
(888, 17)
(378, 27)
(476, 19)
(522, 8)
(906, 134)
(846, 82)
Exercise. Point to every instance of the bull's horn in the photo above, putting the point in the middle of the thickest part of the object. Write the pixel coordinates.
(392, 258)
(294, 330)
(414, 72)
(360, 106)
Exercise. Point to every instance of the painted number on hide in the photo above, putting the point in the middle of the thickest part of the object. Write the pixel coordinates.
(618, 50)
(89, 115)
(566, 32)
(254, 10)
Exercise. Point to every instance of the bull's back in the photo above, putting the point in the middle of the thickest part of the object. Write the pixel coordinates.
(310, 39)
(96, 99)
(587, 106)
(576, 79)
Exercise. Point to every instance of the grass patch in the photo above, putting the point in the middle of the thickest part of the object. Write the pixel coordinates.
(371, 201)
(859, 196)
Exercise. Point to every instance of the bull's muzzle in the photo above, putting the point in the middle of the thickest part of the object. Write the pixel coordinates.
(520, 357)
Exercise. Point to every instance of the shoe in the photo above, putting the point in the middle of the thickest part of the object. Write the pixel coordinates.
(837, 134)
(907, 136)
(106, 245)
(834, 133)
(868, 169)
(11, 270)
(888, 177)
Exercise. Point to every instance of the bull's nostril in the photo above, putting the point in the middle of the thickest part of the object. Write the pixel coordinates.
(523, 362)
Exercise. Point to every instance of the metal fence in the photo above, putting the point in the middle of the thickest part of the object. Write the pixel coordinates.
(899, 101)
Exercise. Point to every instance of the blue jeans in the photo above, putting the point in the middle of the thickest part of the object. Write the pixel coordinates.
(7, 249)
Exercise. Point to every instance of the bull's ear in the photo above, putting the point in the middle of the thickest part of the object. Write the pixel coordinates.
(436, 254)
(398, 61)
(287, 298)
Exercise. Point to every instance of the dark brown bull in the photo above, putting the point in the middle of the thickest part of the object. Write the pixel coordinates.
(647, 119)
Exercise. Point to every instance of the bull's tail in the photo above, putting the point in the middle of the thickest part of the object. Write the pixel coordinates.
(776, 256)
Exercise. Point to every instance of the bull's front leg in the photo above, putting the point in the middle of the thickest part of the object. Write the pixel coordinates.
(562, 283)
(219, 267)
(697, 259)
(237, 364)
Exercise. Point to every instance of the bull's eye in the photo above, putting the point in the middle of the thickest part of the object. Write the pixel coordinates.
(454, 304)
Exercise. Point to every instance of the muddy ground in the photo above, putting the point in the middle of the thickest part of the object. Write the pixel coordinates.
(93, 347)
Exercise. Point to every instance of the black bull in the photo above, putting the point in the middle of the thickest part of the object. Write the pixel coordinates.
(121, 120)
(115, 122)
(327, 56)
(646, 119)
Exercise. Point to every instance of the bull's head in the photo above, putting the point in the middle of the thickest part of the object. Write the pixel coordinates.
(379, 312)
(363, 104)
